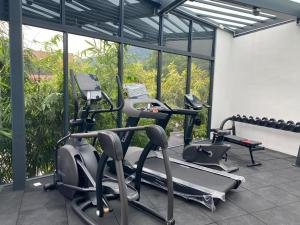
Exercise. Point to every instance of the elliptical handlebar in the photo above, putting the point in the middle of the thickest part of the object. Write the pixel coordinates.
(111, 109)
(88, 111)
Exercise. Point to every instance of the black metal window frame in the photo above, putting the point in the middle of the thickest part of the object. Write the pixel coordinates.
(19, 146)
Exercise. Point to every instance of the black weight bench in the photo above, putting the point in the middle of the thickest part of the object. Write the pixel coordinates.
(250, 144)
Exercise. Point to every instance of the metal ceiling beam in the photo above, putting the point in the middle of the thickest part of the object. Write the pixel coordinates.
(184, 36)
(283, 6)
(224, 13)
(168, 5)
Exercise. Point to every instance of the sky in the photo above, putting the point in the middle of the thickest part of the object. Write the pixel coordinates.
(76, 43)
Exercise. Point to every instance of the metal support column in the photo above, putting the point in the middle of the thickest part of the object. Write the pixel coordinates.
(66, 82)
(65, 68)
(189, 61)
(159, 59)
(211, 86)
(120, 59)
(17, 95)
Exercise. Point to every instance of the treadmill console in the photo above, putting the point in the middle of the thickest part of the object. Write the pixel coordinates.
(191, 101)
(136, 91)
(89, 86)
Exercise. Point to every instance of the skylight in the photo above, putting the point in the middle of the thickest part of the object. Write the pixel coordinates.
(37, 12)
(298, 1)
(229, 15)
(220, 16)
(224, 10)
(150, 22)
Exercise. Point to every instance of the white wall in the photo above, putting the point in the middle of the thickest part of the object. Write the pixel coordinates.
(259, 74)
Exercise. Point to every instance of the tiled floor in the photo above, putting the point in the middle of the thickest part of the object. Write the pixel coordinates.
(271, 195)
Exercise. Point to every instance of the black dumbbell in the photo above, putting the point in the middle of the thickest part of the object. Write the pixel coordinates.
(234, 117)
(238, 118)
(264, 121)
(271, 123)
(280, 124)
(245, 119)
(297, 127)
(289, 125)
(257, 121)
(251, 120)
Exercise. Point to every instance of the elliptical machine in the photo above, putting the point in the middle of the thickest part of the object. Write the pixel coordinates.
(80, 171)
(210, 154)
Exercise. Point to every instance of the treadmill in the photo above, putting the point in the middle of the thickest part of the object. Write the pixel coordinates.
(191, 181)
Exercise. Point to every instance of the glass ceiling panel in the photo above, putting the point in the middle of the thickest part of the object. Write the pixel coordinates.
(100, 16)
(176, 32)
(47, 10)
(202, 39)
(237, 18)
(217, 9)
(140, 22)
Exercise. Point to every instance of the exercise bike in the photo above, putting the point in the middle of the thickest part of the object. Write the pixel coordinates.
(206, 154)
(80, 171)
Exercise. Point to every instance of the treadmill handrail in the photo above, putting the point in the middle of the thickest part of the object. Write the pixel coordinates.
(131, 111)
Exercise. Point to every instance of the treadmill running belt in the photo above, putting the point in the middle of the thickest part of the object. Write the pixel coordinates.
(192, 175)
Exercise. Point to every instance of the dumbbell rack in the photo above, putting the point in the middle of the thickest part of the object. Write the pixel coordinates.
(270, 123)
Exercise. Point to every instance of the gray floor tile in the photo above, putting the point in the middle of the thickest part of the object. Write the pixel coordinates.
(284, 215)
(291, 173)
(276, 195)
(37, 199)
(225, 210)
(291, 159)
(291, 187)
(250, 202)
(10, 203)
(275, 164)
(39, 207)
(262, 179)
(242, 220)
(157, 200)
(275, 154)
(73, 219)
(43, 216)
(195, 215)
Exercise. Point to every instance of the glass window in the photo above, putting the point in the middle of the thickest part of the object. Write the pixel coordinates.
(47, 10)
(173, 85)
(98, 57)
(140, 22)
(100, 16)
(140, 66)
(203, 37)
(5, 108)
(43, 67)
(200, 87)
(176, 32)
